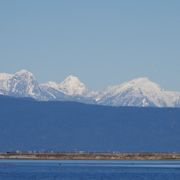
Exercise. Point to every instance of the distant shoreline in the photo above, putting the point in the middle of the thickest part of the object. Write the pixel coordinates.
(92, 156)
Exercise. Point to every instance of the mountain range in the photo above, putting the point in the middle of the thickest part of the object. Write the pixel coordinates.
(139, 92)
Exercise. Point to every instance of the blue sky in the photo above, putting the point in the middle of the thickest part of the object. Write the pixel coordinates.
(102, 42)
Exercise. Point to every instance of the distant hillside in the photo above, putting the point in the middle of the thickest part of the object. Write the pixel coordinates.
(28, 125)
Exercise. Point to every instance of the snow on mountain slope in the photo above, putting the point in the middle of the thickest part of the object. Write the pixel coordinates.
(71, 89)
(173, 97)
(72, 86)
(52, 89)
(138, 92)
(4, 77)
(21, 84)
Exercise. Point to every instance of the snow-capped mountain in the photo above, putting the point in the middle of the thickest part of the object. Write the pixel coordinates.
(21, 84)
(70, 86)
(138, 92)
(71, 89)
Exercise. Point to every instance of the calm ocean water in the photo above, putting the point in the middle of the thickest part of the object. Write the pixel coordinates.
(87, 170)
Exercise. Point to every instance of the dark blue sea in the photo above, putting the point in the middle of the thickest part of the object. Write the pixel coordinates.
(89, 169)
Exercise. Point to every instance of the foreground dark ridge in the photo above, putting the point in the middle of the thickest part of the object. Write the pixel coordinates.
(27, 125)
(92, 156)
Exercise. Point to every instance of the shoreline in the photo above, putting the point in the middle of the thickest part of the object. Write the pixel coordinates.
(91, 156)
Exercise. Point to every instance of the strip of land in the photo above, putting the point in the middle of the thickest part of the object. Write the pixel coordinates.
(92, 156)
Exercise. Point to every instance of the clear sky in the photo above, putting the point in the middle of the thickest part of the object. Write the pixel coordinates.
(102, 42)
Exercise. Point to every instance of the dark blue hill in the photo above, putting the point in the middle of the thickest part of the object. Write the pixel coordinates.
(28, 125)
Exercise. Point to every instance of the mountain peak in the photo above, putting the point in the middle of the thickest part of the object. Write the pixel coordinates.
(72, 79)
(72, 86)
(24, 72)
(142, 83)
(140, 80)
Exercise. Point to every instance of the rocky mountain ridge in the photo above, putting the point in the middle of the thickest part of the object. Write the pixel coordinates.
(139, 92)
